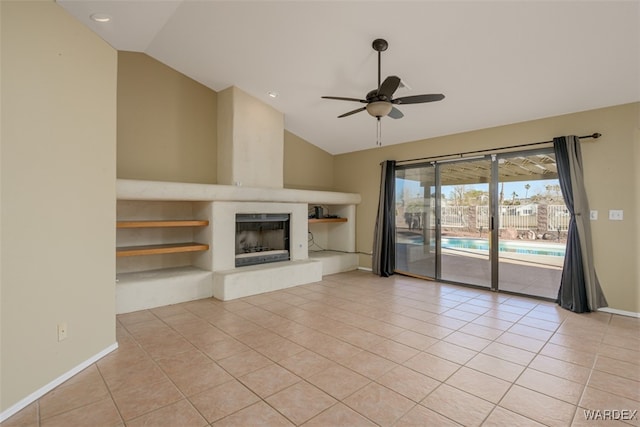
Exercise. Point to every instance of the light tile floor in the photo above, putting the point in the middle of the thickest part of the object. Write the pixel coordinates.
(357, 350)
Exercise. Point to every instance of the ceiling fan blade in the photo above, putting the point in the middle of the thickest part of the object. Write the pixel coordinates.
(341, 98)
(418, 99)
(352, 112)
(388, 87)
(395, 113)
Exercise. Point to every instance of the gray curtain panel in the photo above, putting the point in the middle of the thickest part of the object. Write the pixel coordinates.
(580, 289)
(384, 244)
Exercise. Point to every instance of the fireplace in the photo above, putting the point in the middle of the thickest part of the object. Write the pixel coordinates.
(261, 238)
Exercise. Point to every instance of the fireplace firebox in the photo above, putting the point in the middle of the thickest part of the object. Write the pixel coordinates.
(261, 238)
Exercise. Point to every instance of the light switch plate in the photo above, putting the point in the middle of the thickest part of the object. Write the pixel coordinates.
(593, 215)
(615, 215)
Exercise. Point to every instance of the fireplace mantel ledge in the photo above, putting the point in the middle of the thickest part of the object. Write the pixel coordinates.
(131, 189)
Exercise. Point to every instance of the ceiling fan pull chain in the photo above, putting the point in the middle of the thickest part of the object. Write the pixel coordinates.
(379, 133)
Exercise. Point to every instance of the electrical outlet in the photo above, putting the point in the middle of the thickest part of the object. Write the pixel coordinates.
(593, 215)
(62, 331)
(616, 215)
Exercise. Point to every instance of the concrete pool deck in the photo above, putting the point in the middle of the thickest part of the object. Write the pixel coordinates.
(534, 275)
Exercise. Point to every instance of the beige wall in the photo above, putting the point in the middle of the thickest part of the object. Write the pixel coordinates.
(306, 166)
(58, 195)
(166, 123)
(168, 130)
(611, 177)
(250, 141)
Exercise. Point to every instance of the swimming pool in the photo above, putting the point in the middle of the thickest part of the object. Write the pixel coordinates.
(525, 248)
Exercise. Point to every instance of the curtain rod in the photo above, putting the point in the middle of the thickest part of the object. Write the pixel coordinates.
(595, 135)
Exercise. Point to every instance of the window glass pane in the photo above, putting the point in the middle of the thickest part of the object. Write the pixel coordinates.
(533, 221)
(415, 221)
(464, 206)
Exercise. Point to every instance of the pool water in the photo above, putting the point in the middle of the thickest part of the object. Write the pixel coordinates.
(525, 248)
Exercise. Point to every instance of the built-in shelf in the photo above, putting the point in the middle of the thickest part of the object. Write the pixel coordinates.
(162, 223)
(319, 220)
(170, 248)
(150, 213)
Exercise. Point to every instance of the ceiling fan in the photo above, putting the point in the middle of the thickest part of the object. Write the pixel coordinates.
(380, 101)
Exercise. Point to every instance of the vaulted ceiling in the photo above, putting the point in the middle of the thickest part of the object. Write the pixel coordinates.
(497, 62)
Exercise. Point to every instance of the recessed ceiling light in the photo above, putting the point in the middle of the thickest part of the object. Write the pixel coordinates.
(100, 17)
(272, 94)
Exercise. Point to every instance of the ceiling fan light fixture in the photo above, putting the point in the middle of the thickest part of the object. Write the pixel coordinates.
(379, 108)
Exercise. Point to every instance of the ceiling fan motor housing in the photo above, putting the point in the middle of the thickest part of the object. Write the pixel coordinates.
(372, 95)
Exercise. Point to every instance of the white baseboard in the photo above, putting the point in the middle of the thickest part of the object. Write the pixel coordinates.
(55, 383)
(365, 269)
(620, 312)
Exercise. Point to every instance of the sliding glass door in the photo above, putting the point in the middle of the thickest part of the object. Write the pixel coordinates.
(495, 221)
(464, 221)
(416, 220)
(533, 222)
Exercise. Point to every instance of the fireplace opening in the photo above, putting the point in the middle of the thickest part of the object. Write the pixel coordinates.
(261, 238)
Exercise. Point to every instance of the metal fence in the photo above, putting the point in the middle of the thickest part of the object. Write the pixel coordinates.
(518, 217)
(540, 218)
(525, 217)
(557, 218)
(454, 216)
